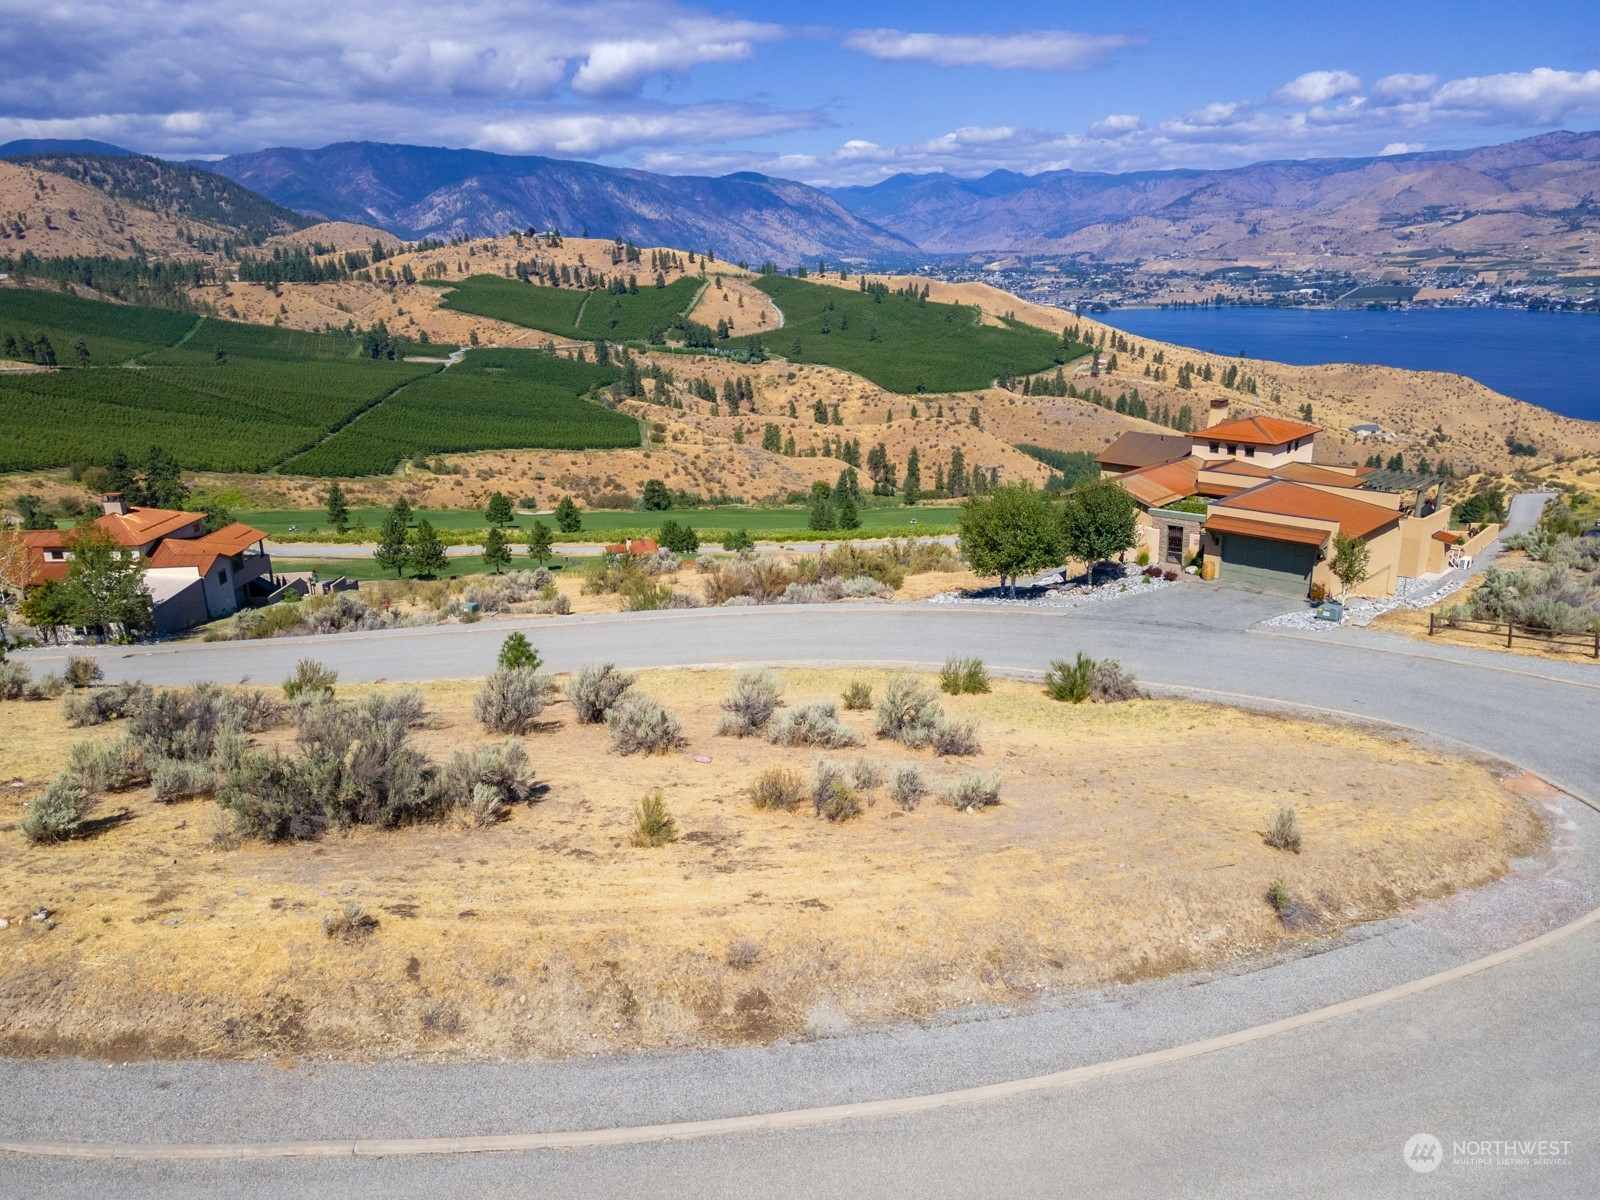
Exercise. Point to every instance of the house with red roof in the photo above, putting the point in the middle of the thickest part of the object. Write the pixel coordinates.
(193, 576)
(1247, 496)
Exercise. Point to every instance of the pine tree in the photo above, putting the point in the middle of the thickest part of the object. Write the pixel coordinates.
(496, 555)
(568, 518)
(337, 508)
(912, 491)
(427, 551)
(499, 510)
(539, 542)
(393, 551)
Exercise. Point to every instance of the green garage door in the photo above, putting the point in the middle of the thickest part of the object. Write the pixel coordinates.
(1270, 566)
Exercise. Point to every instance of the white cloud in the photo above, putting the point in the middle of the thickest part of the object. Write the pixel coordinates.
(1041, 50)
(1404, 87)
(1538, 97)
(180, 77)
(1317, 87)
(574, 133)
(1402, 148)
(1116, 125)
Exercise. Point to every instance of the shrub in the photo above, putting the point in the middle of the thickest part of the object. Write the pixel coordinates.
(679, 538)
(58, 812)
(908, 787)
(1284, 832)
(113, 766)
(860, 587)
(501, 771)
(757, 693)
(175, 780)
(738, 540)
(517, 654)
(639, 724)
(511, 701)
(595, 689)
(14, 681)
(866, 775)
(99, 705)
(1110, 683)
(350, 923)
(972, 792)
(1278, 896)
(184, 724)
(652, 823)
(813, 724)
(909, 712)
(742, 954)
(46, 687)
(858, 696)
(1070, 681)
(83, 672)
(963, 676)
(957, 739)
(831, 796)
(309, 676)
(778, 787)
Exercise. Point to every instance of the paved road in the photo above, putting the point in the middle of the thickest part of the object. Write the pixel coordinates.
(1511, 1052)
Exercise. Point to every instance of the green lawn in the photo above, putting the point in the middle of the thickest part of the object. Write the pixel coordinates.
(759, 521)
(901, 344)
(571, 312)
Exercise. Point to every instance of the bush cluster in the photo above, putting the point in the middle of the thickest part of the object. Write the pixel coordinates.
(640, 725)
(972, 792)
(908, 787)
(778, 787)
(511, 701)
(814, 724)
(963, 677)
(1284, 831)
(909, 712)
(595, 689)
(832, 797)
(1102, 681)
(757, 694)
(652, 823)
(17, 683)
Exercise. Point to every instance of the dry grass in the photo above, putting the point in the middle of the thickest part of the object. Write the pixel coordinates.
(1127, 846)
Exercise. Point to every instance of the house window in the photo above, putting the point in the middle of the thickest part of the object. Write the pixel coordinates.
(1249, 451)
(56, 555)
(1232, 448)
(1215, 447)
(222, 575)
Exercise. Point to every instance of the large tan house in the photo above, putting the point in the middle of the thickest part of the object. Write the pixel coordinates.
(1248, 494)
(192, 576)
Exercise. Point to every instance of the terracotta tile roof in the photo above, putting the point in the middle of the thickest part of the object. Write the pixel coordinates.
(139, 526)
(37, 542)
(1299, 534)
(1161, 483)
(1134, 450)
(1257, 431)
(185, 552)
(1355, 518)
(1310, 473)
(1234, 466)
(230, 539)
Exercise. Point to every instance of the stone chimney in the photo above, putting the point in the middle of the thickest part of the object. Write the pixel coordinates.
(114, 505)
(1219, 412)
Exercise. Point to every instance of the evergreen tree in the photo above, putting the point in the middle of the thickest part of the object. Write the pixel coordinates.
(823, 516)
(393, 551)
(163, 480)
(539, 542)
(427, 551)
(911, 492)
(656, 497)
(957, 478)
(499, 511)
(568, 518)
(771, 438)
(496, 555)
(337, 508)
(849, 513)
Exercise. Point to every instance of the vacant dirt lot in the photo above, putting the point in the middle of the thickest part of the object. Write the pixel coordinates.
(1127, 845)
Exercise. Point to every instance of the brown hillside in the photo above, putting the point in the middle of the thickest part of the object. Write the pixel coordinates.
(53, 217)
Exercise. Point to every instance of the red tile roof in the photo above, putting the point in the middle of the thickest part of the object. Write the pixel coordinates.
(1161, 483)
(140, 526)
(1299, 534)
(1257, 431)
(1137, 449)
(1355, 518)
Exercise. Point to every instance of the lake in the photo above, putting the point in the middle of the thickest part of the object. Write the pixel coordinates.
(1548, 359)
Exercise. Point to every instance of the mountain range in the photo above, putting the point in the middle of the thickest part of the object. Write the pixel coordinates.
(1461, 199)
(1539, 194)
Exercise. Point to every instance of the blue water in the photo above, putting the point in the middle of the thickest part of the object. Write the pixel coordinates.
(1548, 359)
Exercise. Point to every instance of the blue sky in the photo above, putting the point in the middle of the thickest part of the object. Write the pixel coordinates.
(830, 93)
